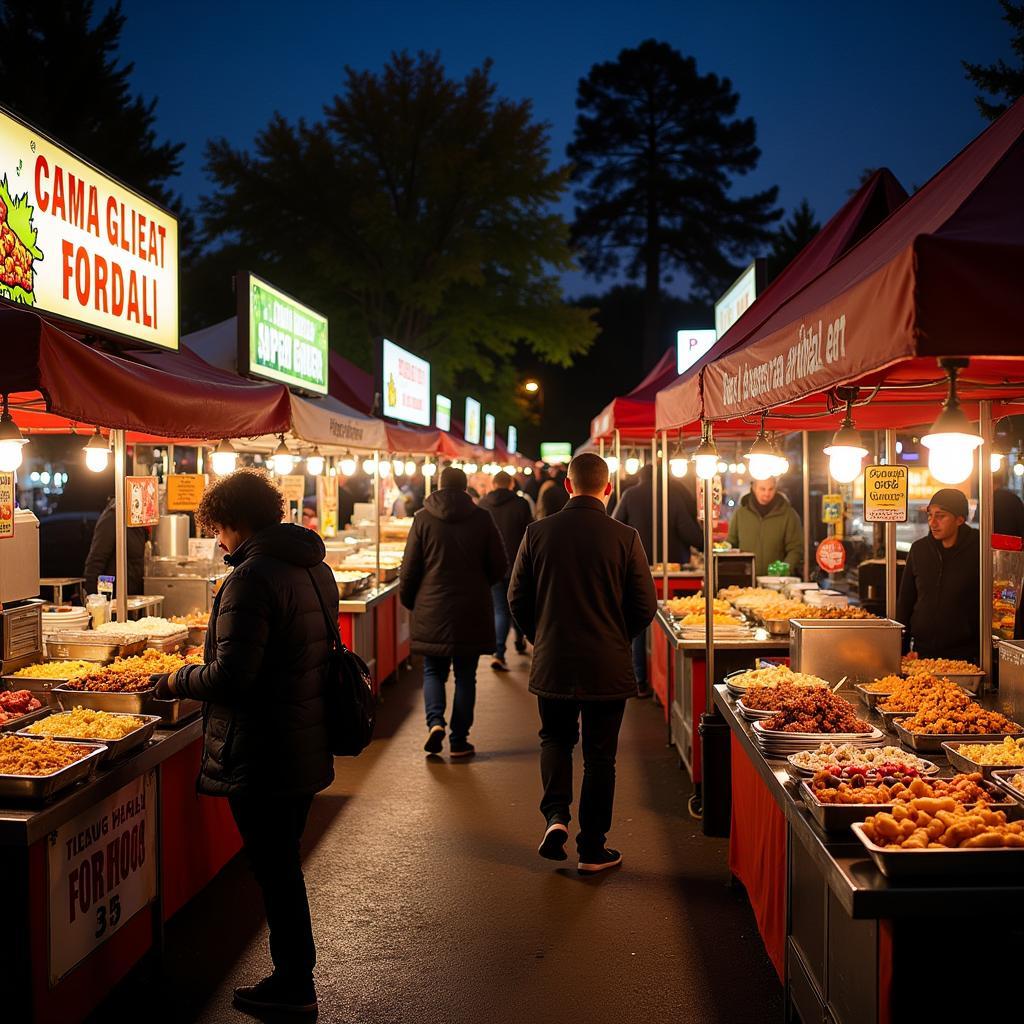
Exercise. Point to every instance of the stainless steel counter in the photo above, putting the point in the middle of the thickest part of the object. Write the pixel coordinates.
(361, 603)
(758, 640)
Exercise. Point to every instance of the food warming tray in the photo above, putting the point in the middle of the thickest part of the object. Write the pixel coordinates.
(932, 743)
(890, 717)
(115, 748)
(174, 712)
(802, 773)
(870, 697)
(104, 700)
(43, 787)
(856, 738)
(970, 681)
(1002, 776)
(35, 685)
(965, 764)
(61, 647)
(894, 862)
(167, 644)
(777, 627)
(26, 719)
(752, 714)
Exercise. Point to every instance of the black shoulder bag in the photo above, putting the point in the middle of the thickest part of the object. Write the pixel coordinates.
(351, 706)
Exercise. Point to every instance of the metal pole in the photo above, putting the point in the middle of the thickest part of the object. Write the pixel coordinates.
(376, 506)
(890, 538)
(654, 502)
(618, 466)
(199, 458)
(709, 597)
(807, 504)
(426, 479)
(120, 526)
(664, 513)
(985, 522)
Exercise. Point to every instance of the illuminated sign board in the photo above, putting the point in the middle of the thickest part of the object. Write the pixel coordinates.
(489, 426)
(691, 345)
(79, 245)
(739, 297)
(513, 440)
(472, 428)
(555, 452)
(406, 380)
(280, 339)
(443, 412)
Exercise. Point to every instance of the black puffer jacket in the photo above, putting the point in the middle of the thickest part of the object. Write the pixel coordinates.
(263, 682)
(453, 556)
(512, 516)
(938, 600)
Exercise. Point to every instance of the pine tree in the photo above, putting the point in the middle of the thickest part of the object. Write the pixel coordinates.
(1001, 79)
(792, 236)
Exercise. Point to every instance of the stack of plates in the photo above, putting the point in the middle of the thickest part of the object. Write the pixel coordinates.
(782, 744)
(751, 714)
(722, 631)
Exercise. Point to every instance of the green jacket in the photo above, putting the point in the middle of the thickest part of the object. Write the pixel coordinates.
(775, 537)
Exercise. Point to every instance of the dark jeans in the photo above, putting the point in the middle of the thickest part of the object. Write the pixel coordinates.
(502, 618)
(271, 829)
(560, 731)
(435, 675)
(640, 659)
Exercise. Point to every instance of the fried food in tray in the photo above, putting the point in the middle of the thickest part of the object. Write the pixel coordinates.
(84, 724)
(769, 698)
(936, 824)
(815, 709)
(949, 714)
(55, 670)
(1008, 754)
(131, 675)
(773, 677)
(21, 756)
(194, 619)
(830, 787)
(698, 619)
(887, 684)
(910, 694)
(938, 667)
(843, 755)
(680, 606)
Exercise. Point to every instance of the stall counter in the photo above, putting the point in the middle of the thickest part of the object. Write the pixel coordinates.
(371, 624)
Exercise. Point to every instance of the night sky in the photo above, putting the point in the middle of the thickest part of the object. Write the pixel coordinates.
(834, 88)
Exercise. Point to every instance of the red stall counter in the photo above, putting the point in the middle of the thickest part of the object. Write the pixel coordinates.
(370, 625)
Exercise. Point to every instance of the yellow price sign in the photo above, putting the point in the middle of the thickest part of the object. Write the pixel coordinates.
(832, 508)
(185, 491)
(885, 494)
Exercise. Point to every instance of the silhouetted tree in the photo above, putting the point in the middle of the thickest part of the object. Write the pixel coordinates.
(655, 149)
(793, 234)
(1001, 79)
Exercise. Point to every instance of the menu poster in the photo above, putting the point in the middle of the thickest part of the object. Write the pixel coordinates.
(293, 487)
(185, 491)
(143, 501)
(6, 505)
(885, 494)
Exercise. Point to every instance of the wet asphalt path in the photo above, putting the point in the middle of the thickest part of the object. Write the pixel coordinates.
(430, 903)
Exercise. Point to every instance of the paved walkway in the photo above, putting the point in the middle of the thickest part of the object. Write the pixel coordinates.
(430, 903)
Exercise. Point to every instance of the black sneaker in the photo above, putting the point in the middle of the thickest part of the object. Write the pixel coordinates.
(520, 647)
(553, 844)
(499, 664)
(644, 693)
(461, 748)
(275, 993)
(591, 865)
(435, 740)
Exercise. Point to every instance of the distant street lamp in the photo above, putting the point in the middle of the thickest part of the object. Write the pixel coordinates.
(531, 386)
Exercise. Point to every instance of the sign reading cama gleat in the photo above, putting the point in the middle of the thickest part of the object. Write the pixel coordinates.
(279, 339)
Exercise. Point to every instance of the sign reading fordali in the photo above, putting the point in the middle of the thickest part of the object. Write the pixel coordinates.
(280, 339)
(79, 245)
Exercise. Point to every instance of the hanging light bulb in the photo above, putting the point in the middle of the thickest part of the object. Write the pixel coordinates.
(398, 465)
(952, 439)
(998, 453)
(282, 461)
(347, 464)
(723, 467)
(315, 463)
(632, 464)
(12, 441)
(410, 468)
(97, 453)
(429, 468)
(846, 453)
(677, 461)
(528, 470)
(384, 469)
(223, 458)
(762, 459)
(510, 470)
(1018, 465)
(369, 466)
(610, 460)
(705, 458)
(469, 468)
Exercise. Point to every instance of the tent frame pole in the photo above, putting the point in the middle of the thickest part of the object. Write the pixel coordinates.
(985, 524)
(891, 557)
(654, 502)
(120, 524)
(618, 465)
(806, 460)
(664, 514)
(376, 507)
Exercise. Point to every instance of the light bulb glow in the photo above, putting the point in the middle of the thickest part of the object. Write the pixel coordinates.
(844, 464)
(610, 460)
(11, 455)
(677, 466)
(705, 466)
(347, 465)
(282, 464)
(223, 463)
(511, 470)
(995, 461)
(950, 456)
(632, 465)
(429, 469)
(315, 464)
(398, 465)
(96, 459)
(369, 467)
(1018, 468)
(385, 469)
(469, 468)
(762, 466)
(528, 470)
(723, 467)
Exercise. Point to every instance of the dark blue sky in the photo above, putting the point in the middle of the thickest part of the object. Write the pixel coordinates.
(833, 87)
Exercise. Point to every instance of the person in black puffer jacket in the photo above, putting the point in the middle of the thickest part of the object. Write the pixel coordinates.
(453, 556)
(265, 734)
(512, 516)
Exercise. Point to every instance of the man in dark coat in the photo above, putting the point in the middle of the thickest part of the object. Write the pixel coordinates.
(265, 734)
(938, 601)
(581, 590)
(634, 509)
(101, 559)
(512, 516)
(453, 556)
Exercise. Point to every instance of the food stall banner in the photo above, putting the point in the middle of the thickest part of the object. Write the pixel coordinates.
(405, 380)
(940, 277)
(472, 421)
(513, 440)
(280, 339)
(143, 501)
(49, 374)
(489, 430)
(6, 505)
(443, 413)
(82, 247)
(679, 401)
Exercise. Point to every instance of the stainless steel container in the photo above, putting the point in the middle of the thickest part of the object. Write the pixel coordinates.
(172, 536)
(19, 559)
(859, 649)
(1011, 679)
(183, 594)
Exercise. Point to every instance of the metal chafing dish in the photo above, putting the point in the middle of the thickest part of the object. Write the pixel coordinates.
(136, 703)
(1003, 778)
(14, 724)
(115, 748)
(175, 712)
(88, 645)
(965, 764)
(43, 787)
(932, 742)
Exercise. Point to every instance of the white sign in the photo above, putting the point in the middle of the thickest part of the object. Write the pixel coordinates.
(513, 440)
(101, 871)
(75, 243)
(691, 345)
(472, 429)
(202, 547)
(406, 385)
(489, 426)
(443, 412)
(737, 300)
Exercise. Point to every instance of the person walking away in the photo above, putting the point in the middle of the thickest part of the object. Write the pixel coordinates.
(767, 524)
(634, 509)
(265, 743)
(938, 599)
(581, 590)
(453, 556)
(512, 516)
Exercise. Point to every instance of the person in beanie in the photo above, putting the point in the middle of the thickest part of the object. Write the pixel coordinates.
(453, 556)
(512, 516)
(581, 590)
(265, 743)
(766, 524)
(938, 600)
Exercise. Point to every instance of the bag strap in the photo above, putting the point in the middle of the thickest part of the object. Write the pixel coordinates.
(332, 624)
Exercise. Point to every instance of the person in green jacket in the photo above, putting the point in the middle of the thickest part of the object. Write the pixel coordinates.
(764, 522)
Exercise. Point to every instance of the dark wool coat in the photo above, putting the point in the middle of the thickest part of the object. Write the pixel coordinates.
(512, 516)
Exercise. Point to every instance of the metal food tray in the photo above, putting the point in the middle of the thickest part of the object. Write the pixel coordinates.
(43, 787)
(890, 717)
(970, 681)
(965, 764)
(36, 685)
(870, 697)
(175, 711)
(115, 748)
(167, 644)
(802, 773)
(26, 719)
(105, 700)
(931, 743)
(776, 627)
(752, 714)
(197, 635)
(99, 651)
(1002, 776)
(895, 862)
(823, 737)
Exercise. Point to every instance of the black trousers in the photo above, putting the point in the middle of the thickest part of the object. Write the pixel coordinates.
(559, 734)
(271, 829)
